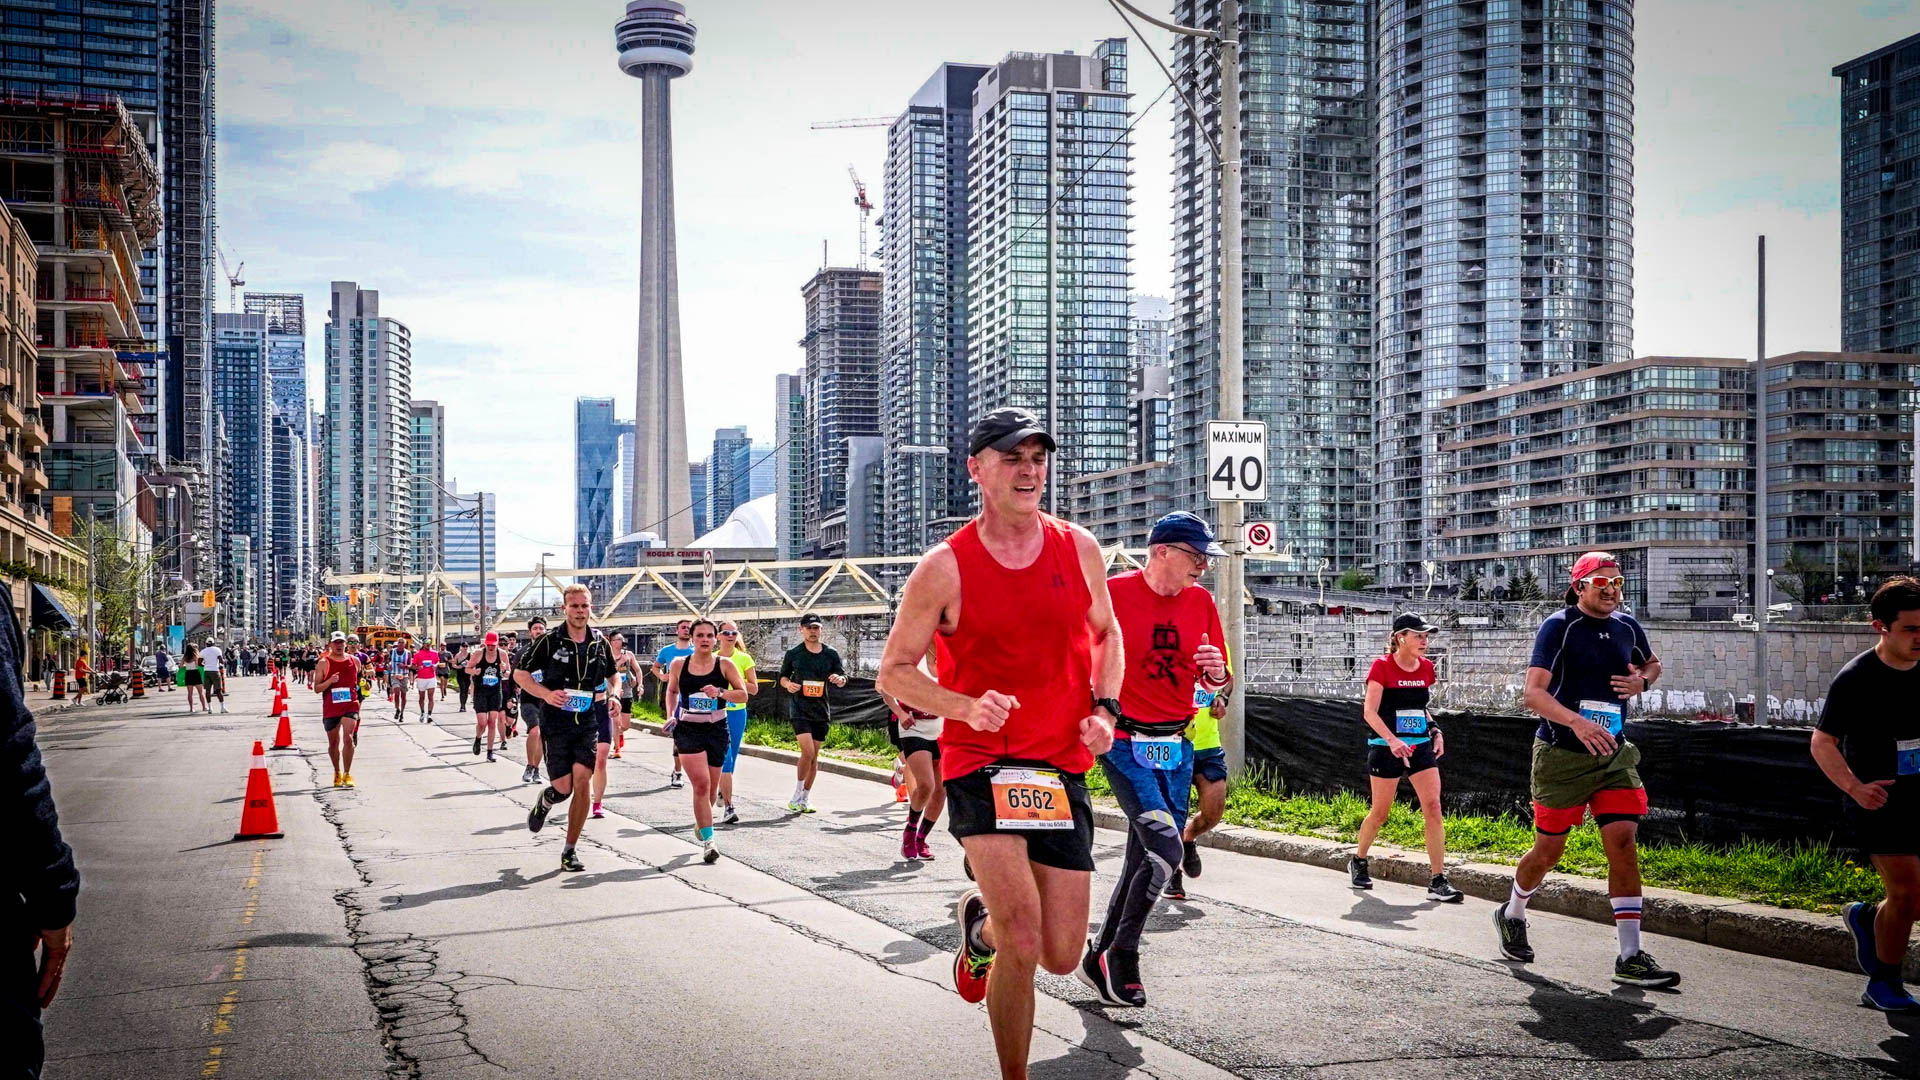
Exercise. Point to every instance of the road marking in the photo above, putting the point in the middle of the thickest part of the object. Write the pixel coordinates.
(223, 1013)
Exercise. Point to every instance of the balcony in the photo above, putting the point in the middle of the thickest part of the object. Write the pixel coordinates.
(10, 412)
(11, 464)
(35, 478)
(33, 434)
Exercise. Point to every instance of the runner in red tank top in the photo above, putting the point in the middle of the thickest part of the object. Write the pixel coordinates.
(1030, 665)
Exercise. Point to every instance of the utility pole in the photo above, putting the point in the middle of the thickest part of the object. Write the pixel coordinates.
(480, 511)
(1233, 574)
(1762, 595)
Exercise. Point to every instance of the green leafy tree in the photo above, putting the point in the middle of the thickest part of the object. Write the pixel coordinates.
(120, 574)
(1354, 580)
(1471, 590)
(1525, 588)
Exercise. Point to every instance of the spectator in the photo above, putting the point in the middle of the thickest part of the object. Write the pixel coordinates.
(37, 901)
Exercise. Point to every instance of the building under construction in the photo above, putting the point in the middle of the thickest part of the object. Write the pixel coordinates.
(77, 175)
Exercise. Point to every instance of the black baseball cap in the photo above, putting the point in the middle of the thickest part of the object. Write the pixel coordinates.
(536, 620)
(1416, 623)
(810, 619)
(1004, 429)
(1181, 527)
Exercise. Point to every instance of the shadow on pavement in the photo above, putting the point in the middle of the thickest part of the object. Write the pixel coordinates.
(899, 873)
(1594, 1027)
(292, 941)
(458, 794)
(1370, 910)
(1103, 1052)
(1903, 1046)
(509, 880)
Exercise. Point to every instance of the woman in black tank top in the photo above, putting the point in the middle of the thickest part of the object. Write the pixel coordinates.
(698, 690)
(490, 678)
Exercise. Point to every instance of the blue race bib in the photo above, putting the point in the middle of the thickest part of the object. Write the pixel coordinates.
(1607, 714)
(342, 695)
(489, 680)
(578, 701)
(1202, 697)
(702, 703)
(1162, 754)
(1410, 722)
(1907, 757)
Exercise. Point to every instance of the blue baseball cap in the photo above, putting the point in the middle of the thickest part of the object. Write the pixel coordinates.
(1181, 527)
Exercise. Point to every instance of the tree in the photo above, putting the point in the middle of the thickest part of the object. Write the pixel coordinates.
(120, 573)
(1471, 590)
(1525, 588)
(1692, 588)
(1802, 579)
(1354, 580)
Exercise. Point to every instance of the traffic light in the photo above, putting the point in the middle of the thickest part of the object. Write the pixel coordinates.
(206, 598)
(323, 603)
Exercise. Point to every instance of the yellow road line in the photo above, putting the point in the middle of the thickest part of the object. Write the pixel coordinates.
(223, 1013)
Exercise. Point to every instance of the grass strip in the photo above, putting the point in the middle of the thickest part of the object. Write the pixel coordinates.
(1803, 876)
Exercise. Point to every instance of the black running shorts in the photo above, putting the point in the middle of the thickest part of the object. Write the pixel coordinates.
(567, 743)
(970, 813)
(816, 728)
(710, 739)
(1382, 763)
(910, 746)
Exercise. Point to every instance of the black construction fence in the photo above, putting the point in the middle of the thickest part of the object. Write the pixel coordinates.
(1714, 783)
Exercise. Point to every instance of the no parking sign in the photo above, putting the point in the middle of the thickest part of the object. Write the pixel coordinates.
(1260, 538)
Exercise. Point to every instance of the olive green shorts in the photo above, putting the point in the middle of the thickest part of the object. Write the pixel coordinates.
(1565, 778)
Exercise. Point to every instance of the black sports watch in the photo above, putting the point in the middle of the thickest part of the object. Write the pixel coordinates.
(1112, 705)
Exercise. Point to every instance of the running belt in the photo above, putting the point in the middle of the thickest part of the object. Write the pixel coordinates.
(1152, 728)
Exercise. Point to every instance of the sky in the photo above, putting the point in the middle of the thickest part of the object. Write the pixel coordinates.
(478, 164)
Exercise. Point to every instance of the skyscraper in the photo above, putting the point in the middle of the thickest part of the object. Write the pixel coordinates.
(729, 473)
(243, 398)
(923, 240)
(287, 585)
(366, 516)
(187, 160)
(790, 465)
(1879, 193)
(656, 47)
(596, 448)
(464, 531)
(1048, 219)
(1504, 228)
(697, 484)
(1306, 239)
(764, 474)
(286, 315)
(429, 434)
(843, 385)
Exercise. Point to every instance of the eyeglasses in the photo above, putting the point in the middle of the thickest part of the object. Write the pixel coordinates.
(729, 633)
(1602, 581)
(1200, 558)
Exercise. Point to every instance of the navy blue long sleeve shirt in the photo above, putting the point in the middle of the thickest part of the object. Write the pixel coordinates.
(41, 883)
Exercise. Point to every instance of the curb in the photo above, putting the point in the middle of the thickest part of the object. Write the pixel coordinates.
(1804, 937)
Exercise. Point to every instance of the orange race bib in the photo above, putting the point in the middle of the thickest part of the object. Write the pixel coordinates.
(813, 688)
(1030, 799)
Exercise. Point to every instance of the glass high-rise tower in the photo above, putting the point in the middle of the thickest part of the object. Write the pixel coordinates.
(1880, 200)
(923, 239)
(1307, 231)
(1049, 204)
(1504, 227)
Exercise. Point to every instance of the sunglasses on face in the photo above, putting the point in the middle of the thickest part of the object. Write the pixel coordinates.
(729, 633)
(1602, 581)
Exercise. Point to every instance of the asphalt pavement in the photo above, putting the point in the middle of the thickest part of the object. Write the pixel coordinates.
(411, 926)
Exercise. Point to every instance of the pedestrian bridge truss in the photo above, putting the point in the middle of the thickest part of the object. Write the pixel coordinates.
(661, 594)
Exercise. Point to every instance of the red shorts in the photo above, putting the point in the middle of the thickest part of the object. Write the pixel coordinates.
(1611, 801)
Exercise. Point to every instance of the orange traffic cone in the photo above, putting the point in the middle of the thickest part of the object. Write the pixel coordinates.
(258, 821)
(283, 737)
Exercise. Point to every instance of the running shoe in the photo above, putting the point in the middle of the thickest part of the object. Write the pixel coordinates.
(970, 965)
(806, 807)
(1123, 973)
(339, 778)
(710, 854)
(730, 816)
(1176, 887)
(1640, 969)
(922, 851)
(1093, 972)
(673, 779)
(909, 845)
(526, 775)
(476, 746)
(1860, 924)
(596, 811)
(489, 755)
(615, 752)
(1357, 873)
(346, 780)
(537, 817)
(1888, 995)
(794, 807)
(1513, 935)
(570, 861)
(1190, 858)
(1442, 890)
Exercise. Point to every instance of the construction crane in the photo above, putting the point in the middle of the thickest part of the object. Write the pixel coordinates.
(235, 279)
(856, 122)
(866, 208)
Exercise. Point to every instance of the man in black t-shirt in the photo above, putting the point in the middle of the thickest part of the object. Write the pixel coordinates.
(529, 706)
(1868, 744)
(805, 674)
(567, 672)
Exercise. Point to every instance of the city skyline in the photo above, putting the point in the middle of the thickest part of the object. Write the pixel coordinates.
(405, 186)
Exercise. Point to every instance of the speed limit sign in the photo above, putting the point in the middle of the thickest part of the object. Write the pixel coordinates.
(1236, 461)
(1261, 539)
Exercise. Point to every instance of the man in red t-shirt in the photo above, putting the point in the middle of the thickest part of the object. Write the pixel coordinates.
(1029, 678)
(1174, 666)
(337, 681)
(426, 674)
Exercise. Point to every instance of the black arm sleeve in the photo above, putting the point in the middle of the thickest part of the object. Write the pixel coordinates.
(34, 856)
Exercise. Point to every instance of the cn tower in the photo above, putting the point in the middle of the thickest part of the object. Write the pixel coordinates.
(656, 47)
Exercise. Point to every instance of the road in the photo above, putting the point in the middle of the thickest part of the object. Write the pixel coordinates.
(412, 926)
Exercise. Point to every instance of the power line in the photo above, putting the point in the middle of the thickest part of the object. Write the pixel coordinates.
(1075, 182)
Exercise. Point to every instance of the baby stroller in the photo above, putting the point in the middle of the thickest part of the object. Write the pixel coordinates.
(112, 689)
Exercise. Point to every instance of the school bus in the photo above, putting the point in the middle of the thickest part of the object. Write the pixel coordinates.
(379, 638)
